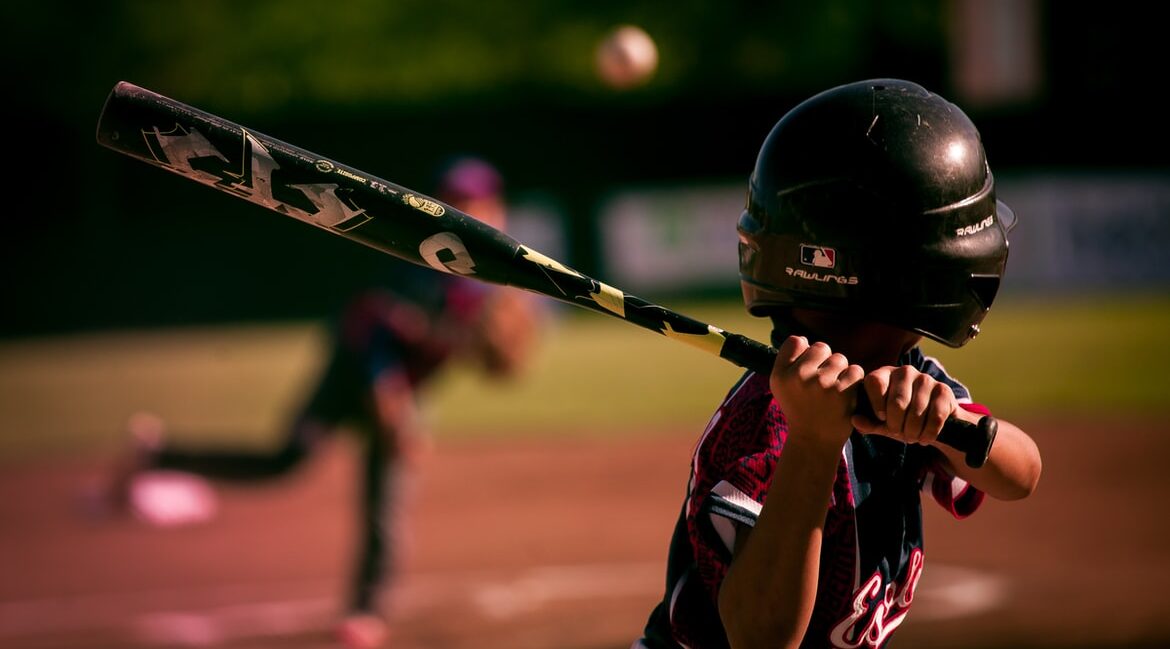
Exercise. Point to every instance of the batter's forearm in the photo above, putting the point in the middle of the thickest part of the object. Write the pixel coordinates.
(1013, 467)
(766, 599)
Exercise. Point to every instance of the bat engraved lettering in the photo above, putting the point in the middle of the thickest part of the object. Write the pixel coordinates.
(445, 251)
(332, 212)
(189, 152)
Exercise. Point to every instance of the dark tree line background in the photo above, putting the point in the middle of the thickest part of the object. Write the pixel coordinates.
(93, 240)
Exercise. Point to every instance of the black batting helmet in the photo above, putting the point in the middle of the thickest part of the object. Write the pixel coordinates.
(875, 198)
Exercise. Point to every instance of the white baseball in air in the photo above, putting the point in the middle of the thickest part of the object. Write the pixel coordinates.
(626, 57)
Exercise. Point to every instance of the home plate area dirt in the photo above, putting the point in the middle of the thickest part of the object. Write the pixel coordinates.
(542, 543)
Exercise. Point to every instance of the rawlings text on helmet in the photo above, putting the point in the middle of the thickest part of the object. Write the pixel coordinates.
(977, 228)
(801, 273)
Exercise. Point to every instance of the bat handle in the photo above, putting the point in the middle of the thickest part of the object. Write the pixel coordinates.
(974, 440)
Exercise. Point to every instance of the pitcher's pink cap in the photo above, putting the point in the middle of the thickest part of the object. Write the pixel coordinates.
(468, 178)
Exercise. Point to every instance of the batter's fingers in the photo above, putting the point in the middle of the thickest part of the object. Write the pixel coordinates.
(897, 400)
(942, 406)
(808, 366)
(830, 370)
(785, 365)
(790, 350)
(921, 396)
(877, 383)
(867, 425)
(852, 375)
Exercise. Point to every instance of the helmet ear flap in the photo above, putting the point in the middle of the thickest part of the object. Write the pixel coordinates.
(1007, 216)
(984, 288)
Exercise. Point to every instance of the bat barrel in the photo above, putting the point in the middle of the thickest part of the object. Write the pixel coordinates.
(297, 183)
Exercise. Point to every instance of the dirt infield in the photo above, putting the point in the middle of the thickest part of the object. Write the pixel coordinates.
(558, 543)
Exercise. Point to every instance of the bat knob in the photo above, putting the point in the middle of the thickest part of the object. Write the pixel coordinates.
(974, 440)
(977, 453)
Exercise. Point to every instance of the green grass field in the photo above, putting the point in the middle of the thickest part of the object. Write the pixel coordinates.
(593, 375)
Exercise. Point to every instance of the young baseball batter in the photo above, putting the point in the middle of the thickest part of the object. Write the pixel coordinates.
(871, 222)
(389, 342)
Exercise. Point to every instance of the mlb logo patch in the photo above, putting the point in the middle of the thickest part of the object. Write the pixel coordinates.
(818, 256)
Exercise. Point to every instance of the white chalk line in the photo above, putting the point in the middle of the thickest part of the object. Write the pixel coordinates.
(104, 610)
(548, 584)
(169, 617)
(948, 592)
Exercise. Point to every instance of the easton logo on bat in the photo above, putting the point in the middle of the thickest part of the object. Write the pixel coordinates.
(423, 204)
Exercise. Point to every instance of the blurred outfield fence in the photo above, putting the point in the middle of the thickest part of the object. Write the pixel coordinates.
(154, 250)
(1076, 231)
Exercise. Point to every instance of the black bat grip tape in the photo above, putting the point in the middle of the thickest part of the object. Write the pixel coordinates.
(974, 440)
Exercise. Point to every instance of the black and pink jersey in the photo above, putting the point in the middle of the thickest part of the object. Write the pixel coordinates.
(414, 327)
(871, 552)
